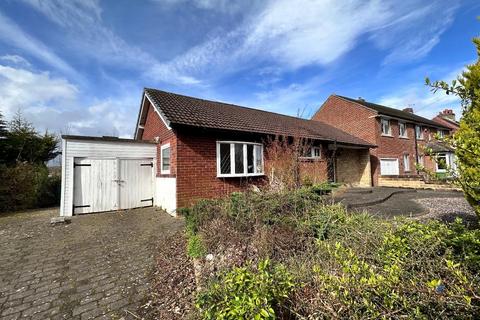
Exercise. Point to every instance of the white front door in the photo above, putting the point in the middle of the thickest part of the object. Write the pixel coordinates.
(389, 167)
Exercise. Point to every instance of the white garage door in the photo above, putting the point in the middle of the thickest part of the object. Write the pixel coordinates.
(389, 167)
(112, 184)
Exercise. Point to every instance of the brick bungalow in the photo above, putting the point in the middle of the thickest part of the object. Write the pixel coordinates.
(400, 135)
(207, 149)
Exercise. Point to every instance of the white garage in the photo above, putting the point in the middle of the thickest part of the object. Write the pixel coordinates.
(105, 174)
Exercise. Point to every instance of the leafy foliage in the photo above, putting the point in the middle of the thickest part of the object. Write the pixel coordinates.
(466, 140)
(246, 292)
(25, 180)
(23, 143)
(341, 264)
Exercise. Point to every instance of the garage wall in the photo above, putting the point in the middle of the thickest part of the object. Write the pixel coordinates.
(95, 149)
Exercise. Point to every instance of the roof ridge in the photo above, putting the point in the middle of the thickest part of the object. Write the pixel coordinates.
(230, 104)
(406, 114)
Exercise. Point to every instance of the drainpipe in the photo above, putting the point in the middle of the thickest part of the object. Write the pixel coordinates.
(416, 147)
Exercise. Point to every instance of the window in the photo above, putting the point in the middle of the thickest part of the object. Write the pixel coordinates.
(165, 159)
(239, 159)
(402, 129)
(442, 163)
(386, 130)
(406, 162)
(316, 152)
(421, 160)
(419, 132)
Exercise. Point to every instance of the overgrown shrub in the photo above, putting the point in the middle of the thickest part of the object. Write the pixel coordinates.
(26, 186)
(247, 292)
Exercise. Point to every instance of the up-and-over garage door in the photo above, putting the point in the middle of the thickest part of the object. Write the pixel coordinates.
(112, 184)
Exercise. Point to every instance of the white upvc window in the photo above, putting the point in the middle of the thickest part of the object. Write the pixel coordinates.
(419, 132)
(421, 160)
(406, 162)
(239, 159)
(165, 159)
(402, 130)
(316, 152)
(442, 162)
(386, 129)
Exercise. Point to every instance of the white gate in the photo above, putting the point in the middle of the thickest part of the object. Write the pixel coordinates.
(112, 184)
(389, 167)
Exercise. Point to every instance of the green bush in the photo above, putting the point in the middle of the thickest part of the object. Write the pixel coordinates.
(27, 186)
(246, 293)
(195, 247)
(344, 264)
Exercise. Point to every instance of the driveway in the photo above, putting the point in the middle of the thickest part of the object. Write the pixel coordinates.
(391, 202)
(99, 265)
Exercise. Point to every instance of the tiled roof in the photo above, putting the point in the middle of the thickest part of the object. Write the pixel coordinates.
(392, 112)
(183, 110)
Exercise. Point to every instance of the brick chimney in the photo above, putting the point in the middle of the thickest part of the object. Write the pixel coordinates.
(447, 114)
(409, 110)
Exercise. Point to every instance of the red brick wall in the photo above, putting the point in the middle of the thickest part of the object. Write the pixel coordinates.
(361, 122)
(197, 166)
(155, 127)
(349, 117)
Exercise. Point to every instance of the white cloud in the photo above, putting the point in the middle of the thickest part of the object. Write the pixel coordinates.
(15, 59)
(12, 34)
(56, 104)
(424, 102)
(295, 34)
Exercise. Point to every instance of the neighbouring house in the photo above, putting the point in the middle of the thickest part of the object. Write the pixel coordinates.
(401, 136)
(185, 149)
(447, 118)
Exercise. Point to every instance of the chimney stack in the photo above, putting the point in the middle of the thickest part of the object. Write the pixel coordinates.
(409, 110)
(447, 114)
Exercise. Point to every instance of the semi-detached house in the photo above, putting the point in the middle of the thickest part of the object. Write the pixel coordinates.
(402, 137)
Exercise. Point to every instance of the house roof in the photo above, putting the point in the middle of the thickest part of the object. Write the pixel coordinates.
(438, 146)
(104, 138)
(392, 112)
(178, 109)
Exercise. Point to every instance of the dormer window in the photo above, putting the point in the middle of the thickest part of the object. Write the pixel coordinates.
(386, 129)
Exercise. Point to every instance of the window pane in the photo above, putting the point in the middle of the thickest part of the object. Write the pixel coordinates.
(442, 161)
(225, 158)
(316, 152)
(259, 159)
(166, 159)
(239, 158)
(250, 168)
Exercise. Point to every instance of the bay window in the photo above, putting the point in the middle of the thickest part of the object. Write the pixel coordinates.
(239, 159)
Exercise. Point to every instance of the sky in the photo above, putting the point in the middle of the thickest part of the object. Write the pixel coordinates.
(79, 66)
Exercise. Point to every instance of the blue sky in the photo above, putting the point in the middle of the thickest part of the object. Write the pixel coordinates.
(79, 66)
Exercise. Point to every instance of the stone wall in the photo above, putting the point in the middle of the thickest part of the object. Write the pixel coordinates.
(353, 167)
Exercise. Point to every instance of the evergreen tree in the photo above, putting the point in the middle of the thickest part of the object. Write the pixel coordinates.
(466, 140)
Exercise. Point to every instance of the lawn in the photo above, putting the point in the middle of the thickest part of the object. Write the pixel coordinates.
(293, 255)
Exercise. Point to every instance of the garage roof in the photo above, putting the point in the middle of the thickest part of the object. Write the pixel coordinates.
(183, 110)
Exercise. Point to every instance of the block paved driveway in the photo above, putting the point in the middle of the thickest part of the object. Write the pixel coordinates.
(97, 266)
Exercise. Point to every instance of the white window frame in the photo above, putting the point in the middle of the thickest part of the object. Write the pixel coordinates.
(421, 160)
(389, 133)
(319, 152)
(245, 161)
(406, 162)
(420, 130)
(163, 147)
(404, 124)
(447, 162)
